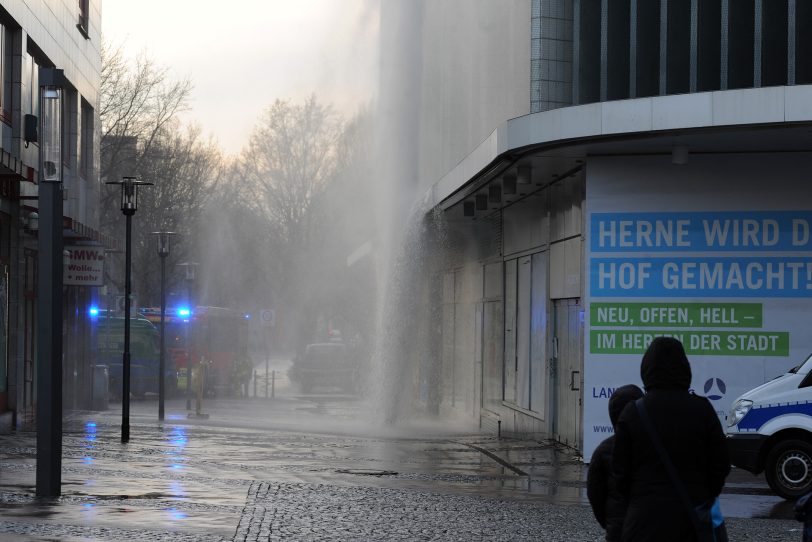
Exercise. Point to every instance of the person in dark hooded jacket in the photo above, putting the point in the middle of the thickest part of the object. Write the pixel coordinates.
(691, 435)
(607, 504)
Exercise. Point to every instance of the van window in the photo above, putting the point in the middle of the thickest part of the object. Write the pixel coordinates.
(803, 368)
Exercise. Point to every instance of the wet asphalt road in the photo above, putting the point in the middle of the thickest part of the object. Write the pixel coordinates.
(309, 467)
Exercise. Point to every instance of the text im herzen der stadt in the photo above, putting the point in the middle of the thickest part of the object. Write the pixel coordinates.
(686, 317)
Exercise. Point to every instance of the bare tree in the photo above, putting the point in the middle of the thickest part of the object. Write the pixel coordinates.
(141, 136)
(185, 170)
(290, 158)
(289, 162)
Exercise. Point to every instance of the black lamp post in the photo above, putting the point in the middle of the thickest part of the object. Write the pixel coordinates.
(163, 244)
(190, 268)
(49, 298)
(129, 204)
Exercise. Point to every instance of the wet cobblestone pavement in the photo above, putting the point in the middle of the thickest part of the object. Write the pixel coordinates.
(234, 477)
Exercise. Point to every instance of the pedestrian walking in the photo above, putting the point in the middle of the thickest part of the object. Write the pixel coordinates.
(607, 503)
(670, 453)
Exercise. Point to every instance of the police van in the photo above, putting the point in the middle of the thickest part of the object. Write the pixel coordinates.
(770, 430)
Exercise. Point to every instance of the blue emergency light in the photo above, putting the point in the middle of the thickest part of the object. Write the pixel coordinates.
(184, 312)
(93, 312)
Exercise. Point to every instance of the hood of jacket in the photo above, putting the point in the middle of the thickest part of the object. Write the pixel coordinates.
(665, 365)
(622, 397)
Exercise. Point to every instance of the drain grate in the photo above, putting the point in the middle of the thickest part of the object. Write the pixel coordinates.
(367, 472)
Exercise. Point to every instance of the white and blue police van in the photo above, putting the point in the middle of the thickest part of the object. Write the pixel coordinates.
(769, 429)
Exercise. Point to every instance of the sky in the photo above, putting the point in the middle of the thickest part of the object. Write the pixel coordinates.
(241, 55)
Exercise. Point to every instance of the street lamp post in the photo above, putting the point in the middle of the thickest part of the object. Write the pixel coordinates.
(163, 240)
(49, 298)
(129, 204)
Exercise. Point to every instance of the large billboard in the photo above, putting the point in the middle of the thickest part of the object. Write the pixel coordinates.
(716, 252)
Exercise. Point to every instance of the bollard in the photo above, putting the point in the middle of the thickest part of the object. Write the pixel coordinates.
(267, 380)
(273, 384)
(499, 429)
(199, 389)
(255, 383)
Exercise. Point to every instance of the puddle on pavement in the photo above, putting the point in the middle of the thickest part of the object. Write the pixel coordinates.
(756, 506)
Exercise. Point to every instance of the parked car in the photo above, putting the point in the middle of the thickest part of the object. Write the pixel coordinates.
(324, 365)
(770, 430)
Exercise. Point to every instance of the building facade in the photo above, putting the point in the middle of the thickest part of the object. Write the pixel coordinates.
(63, 34)
(606, 172)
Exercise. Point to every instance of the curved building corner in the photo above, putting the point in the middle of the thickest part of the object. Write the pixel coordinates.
(655, 182)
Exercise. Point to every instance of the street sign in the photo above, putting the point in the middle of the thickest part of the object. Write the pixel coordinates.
(267, 317)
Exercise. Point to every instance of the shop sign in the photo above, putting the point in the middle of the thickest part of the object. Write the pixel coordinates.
(85, 267)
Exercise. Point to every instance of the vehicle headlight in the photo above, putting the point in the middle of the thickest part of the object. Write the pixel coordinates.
(739, 411)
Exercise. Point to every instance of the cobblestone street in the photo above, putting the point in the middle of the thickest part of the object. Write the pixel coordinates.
(213, 480)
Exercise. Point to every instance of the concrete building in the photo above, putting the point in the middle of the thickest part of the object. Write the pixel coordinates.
(606, 172)
(64, 34)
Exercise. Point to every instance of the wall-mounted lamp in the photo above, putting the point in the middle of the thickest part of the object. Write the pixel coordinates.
(32, 224)
(523, 174)
(679, 155)
(509, 184)
(481, 202)
(495, 193)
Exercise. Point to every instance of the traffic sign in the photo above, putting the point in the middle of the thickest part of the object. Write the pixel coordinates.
(267, 317)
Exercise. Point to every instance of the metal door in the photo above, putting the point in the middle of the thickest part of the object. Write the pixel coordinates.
(567, 358)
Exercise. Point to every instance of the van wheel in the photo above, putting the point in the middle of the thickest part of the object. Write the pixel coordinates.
(789, 468)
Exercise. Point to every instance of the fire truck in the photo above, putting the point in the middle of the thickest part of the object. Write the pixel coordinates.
(214, 337)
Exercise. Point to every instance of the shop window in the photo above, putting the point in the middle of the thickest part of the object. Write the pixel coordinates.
(525, 359)
(67, 123)
(84, 141)
(30, 76)
(84, 17)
